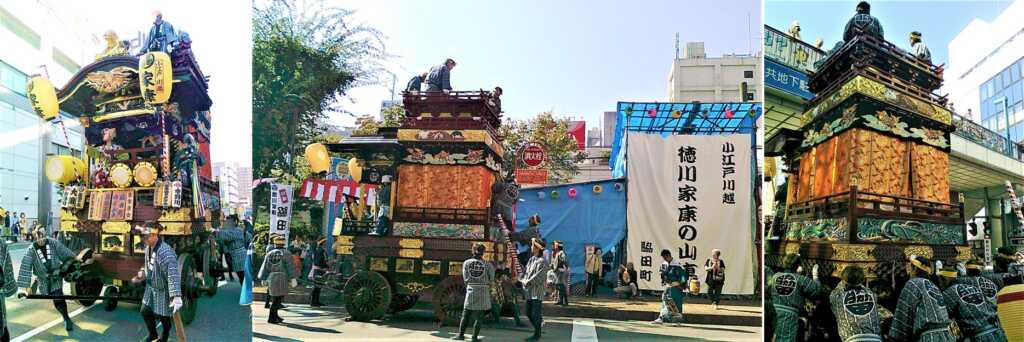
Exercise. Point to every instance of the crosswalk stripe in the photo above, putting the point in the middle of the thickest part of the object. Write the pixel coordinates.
(583, 330)
(47, 326)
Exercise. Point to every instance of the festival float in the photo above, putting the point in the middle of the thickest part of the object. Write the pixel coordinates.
(419, 196)
(869, 177)
(146, 120)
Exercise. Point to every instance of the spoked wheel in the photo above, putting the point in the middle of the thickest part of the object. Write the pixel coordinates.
(209, 282)
(449, 295)
(109, 304)
(87, 287)
(189, 288)
(402, 302)
(367, 296)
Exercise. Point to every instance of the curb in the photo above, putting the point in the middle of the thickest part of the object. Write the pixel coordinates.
(581, 312)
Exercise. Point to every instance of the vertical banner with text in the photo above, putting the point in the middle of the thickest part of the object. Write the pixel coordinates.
(690, 194)
(280, 208)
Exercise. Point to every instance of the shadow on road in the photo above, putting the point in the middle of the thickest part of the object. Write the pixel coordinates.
(256, 335)
(309, 329)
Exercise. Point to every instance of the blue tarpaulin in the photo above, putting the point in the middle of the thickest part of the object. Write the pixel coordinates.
(590, 218)
(692, 118)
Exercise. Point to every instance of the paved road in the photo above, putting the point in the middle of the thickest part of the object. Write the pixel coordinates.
(303, 323)
(219, 318)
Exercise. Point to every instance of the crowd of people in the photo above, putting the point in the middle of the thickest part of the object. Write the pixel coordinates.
(934, 302)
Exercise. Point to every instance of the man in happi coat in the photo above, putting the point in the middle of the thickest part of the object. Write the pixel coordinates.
(673, 276)
(278, 271)
(921, 313)
(974, 314)
(7, 287)
(162, 296)
(856, 308)
(319, 268)
(234, 240)
(863, 21)
(789, 290)
(440, 78)
(43, 260)
(974, 277)
(917, 47)
(532, 280)
(478, 275)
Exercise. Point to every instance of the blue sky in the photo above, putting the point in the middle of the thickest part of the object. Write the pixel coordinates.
(939, 21)
(574, 57)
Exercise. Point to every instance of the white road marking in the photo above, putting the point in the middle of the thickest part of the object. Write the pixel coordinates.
(583, 330)
(47, 326)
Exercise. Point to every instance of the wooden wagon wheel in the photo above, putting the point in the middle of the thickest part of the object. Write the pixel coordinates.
(402, 302)
(109, 304)
(367, 296)
(449, 295)
(209, 282)
(189, 291)
(87, 287)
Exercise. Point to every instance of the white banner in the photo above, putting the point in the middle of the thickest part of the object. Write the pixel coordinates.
(280, 208)
(690, 194)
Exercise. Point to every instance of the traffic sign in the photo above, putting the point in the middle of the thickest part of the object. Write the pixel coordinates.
(533, 155)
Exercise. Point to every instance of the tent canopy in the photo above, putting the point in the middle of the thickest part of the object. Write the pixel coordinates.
(693, 118)
(590, 218)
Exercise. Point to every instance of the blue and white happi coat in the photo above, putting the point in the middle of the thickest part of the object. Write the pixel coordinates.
(44, 263)
(163, 279)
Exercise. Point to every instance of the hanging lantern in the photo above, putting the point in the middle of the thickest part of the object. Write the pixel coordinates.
(677, 114)
(43, 97)
(652, 112)
(598, 189)
(619, 186)
(729, 113)
(572, 193)
(540, 195)
(319, 160)
(64, 169)
(554, 194)
(155, 77)
(355, 170)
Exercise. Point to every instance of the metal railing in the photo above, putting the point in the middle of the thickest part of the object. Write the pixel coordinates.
(792, 52)
(972, 131)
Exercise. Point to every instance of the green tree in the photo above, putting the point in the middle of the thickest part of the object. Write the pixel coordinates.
(367, 125)
(562, 153)
(306, 56)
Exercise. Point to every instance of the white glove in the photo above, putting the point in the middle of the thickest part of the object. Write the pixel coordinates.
(295, 283)
(176, 304)
(814, 272)
(938, 265)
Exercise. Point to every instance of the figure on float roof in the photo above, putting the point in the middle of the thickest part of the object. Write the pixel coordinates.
(114, 46)
(863, 21)
(160, 35)
(918, 48)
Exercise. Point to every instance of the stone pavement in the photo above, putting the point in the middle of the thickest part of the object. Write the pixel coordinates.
(696, 310)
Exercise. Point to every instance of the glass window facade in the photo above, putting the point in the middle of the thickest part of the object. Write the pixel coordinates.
(1002, 101)
(12, 79)
(20, 160)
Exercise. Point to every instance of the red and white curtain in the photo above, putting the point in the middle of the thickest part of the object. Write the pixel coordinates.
(334, 190)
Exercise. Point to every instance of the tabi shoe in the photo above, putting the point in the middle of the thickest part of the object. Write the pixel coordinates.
(533, 338)
(459, 337)
(657, 321)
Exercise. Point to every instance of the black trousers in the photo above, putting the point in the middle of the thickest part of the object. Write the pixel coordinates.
(315, 296)
(274, 306)
(6, 337)
(563, 294)
(474, 316)
(533, 311)
(150, 318)
(592, 281)
(241, 276)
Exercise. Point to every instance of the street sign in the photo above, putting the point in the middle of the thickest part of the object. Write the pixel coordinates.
(529, 176)
(533, 155)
